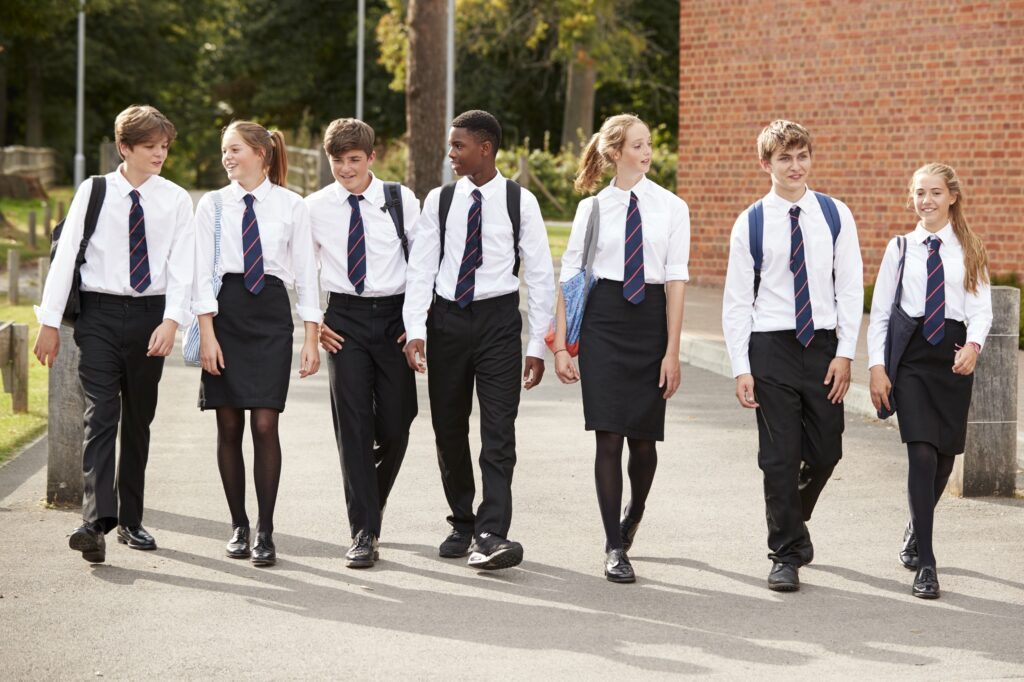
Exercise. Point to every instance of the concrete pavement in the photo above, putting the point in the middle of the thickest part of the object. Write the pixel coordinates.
(700, 607)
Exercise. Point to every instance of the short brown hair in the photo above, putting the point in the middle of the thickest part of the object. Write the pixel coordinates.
(141, 123)
(781, 135)
(346, 134)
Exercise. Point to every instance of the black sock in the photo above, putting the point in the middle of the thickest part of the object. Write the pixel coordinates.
(608, 475)
(266, 463)
(643, 462)
(230, 428)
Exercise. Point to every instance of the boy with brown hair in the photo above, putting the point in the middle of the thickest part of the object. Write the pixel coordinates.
(794, 293)
(362, 268)
(135, 291)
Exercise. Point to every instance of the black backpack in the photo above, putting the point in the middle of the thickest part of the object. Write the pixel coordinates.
(512, 199)
(393, 205)
(92, 214)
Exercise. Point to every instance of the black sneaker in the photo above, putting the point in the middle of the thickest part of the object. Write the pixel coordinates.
(363, 552)
(456, 545)
(491, 552)
(90, 541)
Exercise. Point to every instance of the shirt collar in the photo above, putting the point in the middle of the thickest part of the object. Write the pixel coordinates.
(465, 186)
(807, 202)
(373, 194)
(642, 190)
(945, 235)
(124, 187)
(260, 192)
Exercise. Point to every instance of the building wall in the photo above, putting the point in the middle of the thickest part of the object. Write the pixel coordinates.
(883, 87)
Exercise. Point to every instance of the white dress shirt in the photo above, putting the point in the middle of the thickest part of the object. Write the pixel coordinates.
(666, 229)
(494, 277)
(285, 238)
(835, 305)
(329, 212)
(170, 244)
(974, 309)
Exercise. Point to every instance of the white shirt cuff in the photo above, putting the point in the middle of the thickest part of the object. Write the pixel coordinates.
(48, 317)
(846, 349)
(740, 366)
(182, 317)
(307, 314)
(417, 333)
(536, 348)
(204, 307)
(676, 273)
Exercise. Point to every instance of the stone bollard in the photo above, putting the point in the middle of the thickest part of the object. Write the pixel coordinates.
(66, 428)
(47, 217)
(32, 229)
(44, 270)
(988, 466)
(13, 270)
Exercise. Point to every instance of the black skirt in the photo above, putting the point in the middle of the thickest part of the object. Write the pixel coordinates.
(933, 401)
(621, 349)
(255, 335)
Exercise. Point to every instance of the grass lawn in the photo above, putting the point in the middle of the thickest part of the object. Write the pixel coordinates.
(558, 237)
(15, 233)
(17, 430)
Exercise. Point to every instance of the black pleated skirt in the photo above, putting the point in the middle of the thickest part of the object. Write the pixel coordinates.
(621, 349)
(255, 336)
(933, 401)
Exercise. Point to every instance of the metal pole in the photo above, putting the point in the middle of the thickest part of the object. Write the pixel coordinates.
(360, 49)
(80, 106)
(449, 106)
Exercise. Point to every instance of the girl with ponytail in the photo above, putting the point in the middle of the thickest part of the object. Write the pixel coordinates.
(945, 287)
(629, 337)
(253, 239)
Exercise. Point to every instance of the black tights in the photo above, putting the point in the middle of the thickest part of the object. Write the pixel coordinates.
(266, 462)
(926, 479)
(643, 461)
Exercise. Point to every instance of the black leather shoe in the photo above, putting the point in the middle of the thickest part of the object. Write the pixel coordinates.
(926, 583)
(89, 540)
(238, 545)
(806, 550)
(491, 552)
(263, 552)
(617, 568)
(627, 529)
(363, 552)
(908, 553)
(784, 577)
(456, 545)
(136, 537)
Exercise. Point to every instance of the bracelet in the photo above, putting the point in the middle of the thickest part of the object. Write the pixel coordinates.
(561, 350)
(977, 346)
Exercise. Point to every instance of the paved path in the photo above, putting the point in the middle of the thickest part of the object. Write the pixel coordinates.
(700, 607)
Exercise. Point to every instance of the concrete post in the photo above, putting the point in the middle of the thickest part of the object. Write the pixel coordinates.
(988, 467)
(32, 229)
(66, 428)
(44, 270)
(47, 219)
(19, 374)
(13, 270)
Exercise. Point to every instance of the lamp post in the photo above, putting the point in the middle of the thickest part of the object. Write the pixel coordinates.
(449, 105)
(80, 105)
(360, 49)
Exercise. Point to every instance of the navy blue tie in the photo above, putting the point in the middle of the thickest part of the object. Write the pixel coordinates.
(633, 268)
(252, 251)
(798, 266)
(356, 245)
(138, 255)
(472, 255)
(934, 328)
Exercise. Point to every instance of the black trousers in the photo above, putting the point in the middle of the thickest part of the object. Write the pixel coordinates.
(800, 434)
(479, 344)
(373, 401)
(120, 385)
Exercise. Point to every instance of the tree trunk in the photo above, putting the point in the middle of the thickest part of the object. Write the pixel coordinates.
(580, 80)
(33, 97)
(425, 95)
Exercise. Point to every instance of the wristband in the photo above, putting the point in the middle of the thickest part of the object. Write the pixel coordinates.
(561, 350)
(977, 346)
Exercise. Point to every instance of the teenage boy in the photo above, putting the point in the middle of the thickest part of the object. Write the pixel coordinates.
(794, 296)
(136, 286)
(470, 240)
(362, 228)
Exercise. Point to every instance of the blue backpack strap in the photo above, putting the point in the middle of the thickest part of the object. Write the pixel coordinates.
(828, 207)
(755, 227)
(444, 205)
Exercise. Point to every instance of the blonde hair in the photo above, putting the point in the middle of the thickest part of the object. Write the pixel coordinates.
(271, 143)
(781, 134)
(975, 256)
(597, 155)
(141, 123)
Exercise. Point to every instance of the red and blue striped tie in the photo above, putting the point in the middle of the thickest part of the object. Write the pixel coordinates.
(472, 255)
(934, 328)
(138, 256)
(801, 293)
(633, 269)
(252, 251)
(356, 245)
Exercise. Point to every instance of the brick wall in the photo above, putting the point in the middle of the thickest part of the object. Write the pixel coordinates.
(883, 87)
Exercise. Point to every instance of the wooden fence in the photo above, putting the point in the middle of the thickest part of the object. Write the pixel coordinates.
(30, 162)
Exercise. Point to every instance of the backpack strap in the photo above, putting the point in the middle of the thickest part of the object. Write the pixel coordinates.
(828, 207)
(513, 197)
(901, 244)
(393, 205)
(92, 215)
(444, 205)
(755, 234)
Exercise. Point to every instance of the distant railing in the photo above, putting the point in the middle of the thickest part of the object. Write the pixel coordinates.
(30, 162)
(308, 170)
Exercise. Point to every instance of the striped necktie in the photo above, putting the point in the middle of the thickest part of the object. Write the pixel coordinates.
(801, 294)
(633, 268)
(252, 251)
(472, 255)
(934, 328)
(356, 245)
(138, 256)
